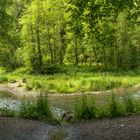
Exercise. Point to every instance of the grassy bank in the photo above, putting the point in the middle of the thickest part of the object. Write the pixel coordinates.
(70, 83)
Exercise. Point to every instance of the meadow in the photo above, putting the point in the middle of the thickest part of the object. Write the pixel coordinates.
(72, 81)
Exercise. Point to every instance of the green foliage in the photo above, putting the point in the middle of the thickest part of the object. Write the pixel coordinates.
(106, 84)
(67, 32)
(3, 79)
(36, 84)
(72, 82)
(7, 112)
(38, 109)
(50, 69)
(22, 70)
(129, 104)
(2, 71)
(113, 107)
(85, 108)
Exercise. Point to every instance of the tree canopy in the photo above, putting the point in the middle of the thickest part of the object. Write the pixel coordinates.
(102, 33)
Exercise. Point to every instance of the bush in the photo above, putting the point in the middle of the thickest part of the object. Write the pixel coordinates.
(38, 109)
(3, 79)
(85, 108)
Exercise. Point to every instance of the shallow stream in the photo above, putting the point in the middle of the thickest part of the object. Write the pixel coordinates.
(59, 103)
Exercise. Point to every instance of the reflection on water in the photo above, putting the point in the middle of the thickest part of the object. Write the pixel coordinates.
(136, 96)
(10, 104)
(9, 101)
(64, 102)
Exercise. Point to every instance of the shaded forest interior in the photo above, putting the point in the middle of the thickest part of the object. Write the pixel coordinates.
(47, 34)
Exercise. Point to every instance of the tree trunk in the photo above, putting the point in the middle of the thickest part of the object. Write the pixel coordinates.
(96, 57)
(76, 51)
(49, 45)
(39, 47)
(54, 41)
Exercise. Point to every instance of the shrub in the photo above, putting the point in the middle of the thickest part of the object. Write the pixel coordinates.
(3, 79)
(39, 109)
(85, 108)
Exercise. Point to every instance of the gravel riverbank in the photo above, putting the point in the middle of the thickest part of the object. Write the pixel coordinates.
(121, 128)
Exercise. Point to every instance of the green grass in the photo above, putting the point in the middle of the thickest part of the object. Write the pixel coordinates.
(86, 108)
(38, 109)
(3, 79)
(73, 80)
(114, 107)
(7, 112)
(130, 106)
(63, 83)
(2, 71)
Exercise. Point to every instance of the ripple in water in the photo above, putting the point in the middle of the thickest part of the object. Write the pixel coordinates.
(10, 104)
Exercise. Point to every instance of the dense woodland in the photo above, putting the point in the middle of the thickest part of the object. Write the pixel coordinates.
(101, 33)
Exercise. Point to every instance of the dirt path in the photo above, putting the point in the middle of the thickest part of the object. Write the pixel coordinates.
(126, 128)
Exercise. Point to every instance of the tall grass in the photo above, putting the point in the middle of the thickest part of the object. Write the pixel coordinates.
(39, 109)
(69, 83)
(86, 108)
(3, 79)
(5, 112)
(113, 107)
(130, 105)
